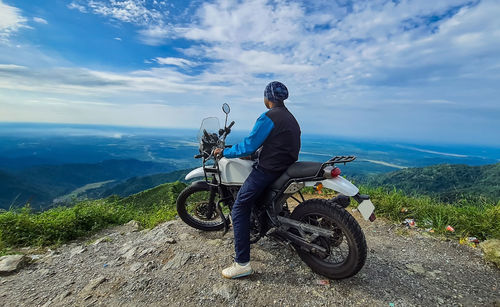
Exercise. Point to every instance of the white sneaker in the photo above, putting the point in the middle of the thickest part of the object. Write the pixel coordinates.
(237, 270)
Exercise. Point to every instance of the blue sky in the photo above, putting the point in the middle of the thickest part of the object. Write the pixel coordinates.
(418, 71)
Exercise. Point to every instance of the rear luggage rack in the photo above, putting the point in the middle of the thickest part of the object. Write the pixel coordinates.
(335, 160)
(340, 159)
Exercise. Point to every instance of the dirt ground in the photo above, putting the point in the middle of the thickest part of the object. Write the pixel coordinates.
(175, 265)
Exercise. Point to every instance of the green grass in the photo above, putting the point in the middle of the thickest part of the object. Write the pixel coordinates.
(468, 219)
(24, 227)
(478, 218)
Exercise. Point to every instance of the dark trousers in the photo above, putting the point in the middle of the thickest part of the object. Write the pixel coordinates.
(252, 188)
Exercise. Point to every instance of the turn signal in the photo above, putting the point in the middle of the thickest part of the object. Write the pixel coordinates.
(318, 187)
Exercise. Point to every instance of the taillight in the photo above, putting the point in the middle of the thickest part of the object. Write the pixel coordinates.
(331, 172)
(335, 172)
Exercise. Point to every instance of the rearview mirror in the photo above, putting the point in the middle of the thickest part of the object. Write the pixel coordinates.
(225, 108)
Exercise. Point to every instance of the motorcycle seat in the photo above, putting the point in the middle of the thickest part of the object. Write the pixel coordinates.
(297, 170)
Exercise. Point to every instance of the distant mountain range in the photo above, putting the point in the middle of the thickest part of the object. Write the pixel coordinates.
(47, 185)
(40, 185)
(446, 182)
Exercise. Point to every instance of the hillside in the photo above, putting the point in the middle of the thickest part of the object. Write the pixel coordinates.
(447, 182)
(136, 184)
(41, 184)
(13, 190)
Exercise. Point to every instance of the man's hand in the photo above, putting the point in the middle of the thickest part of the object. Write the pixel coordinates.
(218, 152)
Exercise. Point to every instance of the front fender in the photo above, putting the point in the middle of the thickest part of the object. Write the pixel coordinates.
(338, 184)
(200, 183)
(197, 172)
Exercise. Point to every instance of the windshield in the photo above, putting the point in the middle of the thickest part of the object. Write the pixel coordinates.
(211, 124)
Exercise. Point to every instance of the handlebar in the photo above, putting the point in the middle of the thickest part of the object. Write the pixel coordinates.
(230, 125)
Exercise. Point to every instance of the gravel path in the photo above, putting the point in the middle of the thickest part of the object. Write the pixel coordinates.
(174, 265)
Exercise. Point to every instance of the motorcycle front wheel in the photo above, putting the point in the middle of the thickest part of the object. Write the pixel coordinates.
(196, 207)
(346, 250)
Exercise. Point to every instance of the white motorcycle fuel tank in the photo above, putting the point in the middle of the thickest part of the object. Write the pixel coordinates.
(233, 171)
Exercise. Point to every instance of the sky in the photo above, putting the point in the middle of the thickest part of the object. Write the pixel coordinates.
(416, 71)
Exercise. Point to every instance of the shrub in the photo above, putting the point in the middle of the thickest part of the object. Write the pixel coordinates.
(27, 228)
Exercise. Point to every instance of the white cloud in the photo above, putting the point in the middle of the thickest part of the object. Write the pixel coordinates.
(11, 20)
(40, 20)
(386, 63)
(117, 39)
(85, 82)
(11, 67)
(130, 11)
(174, 61)
(149, 16)
(255, 21)
(76, 6)
(155, 35)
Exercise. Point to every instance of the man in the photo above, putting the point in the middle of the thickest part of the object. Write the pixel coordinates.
(277, 134)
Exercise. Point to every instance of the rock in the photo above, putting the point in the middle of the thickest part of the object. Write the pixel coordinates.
(43, 272)
(169, 223)
(227, 291)
(155, 235)
(64, 295)
(117, 262)
(77, 250)
(146, 251)
(134, 225)
(10, 264)
(433, 274)
(35, 257)
(416, 268)
(178, 261)
(49, 256)
(491, 250)
(262, 255)
(100, 240)
(47, 304)
(215, 242)
(170, 240)
(92, 285)
(151, 265)
(135, 267)
(145, 231)
(185, 236)
(129, 254)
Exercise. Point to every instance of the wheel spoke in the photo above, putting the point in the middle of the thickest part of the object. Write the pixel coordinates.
(337, 247)
(198, 207)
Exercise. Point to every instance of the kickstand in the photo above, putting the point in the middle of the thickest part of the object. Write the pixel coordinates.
(218, 209)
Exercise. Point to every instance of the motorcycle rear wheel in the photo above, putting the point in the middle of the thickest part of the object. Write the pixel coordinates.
(346, 251)
(193, 207)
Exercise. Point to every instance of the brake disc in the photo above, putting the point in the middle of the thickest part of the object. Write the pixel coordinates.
(201, 211)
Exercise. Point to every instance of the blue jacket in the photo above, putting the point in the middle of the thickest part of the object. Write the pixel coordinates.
(278, 133)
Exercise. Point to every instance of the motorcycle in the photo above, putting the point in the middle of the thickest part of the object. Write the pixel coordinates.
(324, 234)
